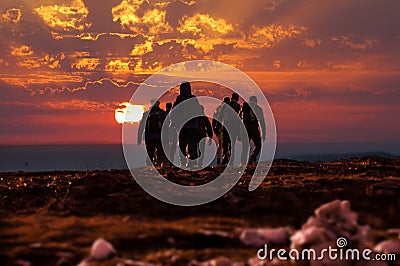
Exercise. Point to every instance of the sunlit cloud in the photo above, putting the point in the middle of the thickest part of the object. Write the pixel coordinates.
(203, 32)
(153, 21)
(188, 2)
(269, 36)
(203, 25)
(58, 36)
(143, 48)
(78, 54)
(312, 43)
(81, 105)
(344, 66)
(65, 17)
(304, 64)
(118, 65)
(12, 15)
(51, 90)
(20, 50)
(123, 36)
(50, 61)
(203, 44)
(146, 67)
(345, 41)
(90, 36)
(26, 58)
(42, 79)
(29, 64)
(53, 61)
(125, 12)
(89, 64)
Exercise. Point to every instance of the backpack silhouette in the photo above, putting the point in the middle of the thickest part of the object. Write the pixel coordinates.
(154, 122)
(249, 117)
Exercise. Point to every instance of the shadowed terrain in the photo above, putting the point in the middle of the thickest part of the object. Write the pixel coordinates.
(54, 217)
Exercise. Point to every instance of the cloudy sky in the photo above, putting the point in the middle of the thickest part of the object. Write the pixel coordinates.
(330, 69)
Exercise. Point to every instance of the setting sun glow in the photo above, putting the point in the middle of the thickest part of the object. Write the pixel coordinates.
(128, 113)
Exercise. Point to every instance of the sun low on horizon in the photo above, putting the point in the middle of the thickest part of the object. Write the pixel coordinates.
(128, 113)
(328, 68)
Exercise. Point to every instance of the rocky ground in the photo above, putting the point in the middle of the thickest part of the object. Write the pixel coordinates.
(53, 218)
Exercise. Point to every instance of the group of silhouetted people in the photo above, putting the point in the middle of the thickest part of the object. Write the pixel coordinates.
(193, 126)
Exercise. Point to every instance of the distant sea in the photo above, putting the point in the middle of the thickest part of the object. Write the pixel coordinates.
(110, 156)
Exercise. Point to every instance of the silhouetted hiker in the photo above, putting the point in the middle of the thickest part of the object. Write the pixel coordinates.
(168, 107)
(172, 139)
(231, 119)
(252, 127)
(205, 131)
(152, 133)
(219, 130)
(189, 134)
(185, 92)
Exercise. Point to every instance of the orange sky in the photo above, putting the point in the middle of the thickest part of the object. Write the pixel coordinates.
(329, 68)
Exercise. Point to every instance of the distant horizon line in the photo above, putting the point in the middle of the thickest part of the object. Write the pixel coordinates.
(115, 143)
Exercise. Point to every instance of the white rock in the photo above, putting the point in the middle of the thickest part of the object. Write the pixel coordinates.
(307, 237)
(257, 237)
(388, 246)
(326, 210)
(101, 250)
(331, 221)
(345, 205)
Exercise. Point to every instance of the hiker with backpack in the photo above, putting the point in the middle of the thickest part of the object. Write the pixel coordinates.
(233, 120)
(253, 119)
(189, 135)
(219, 130)
(205, 131)
(154, 118)
(171, 138)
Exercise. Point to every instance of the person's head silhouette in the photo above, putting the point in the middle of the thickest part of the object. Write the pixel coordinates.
(185, 89)
(253, 99)
(226, 100)
(235, 97)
